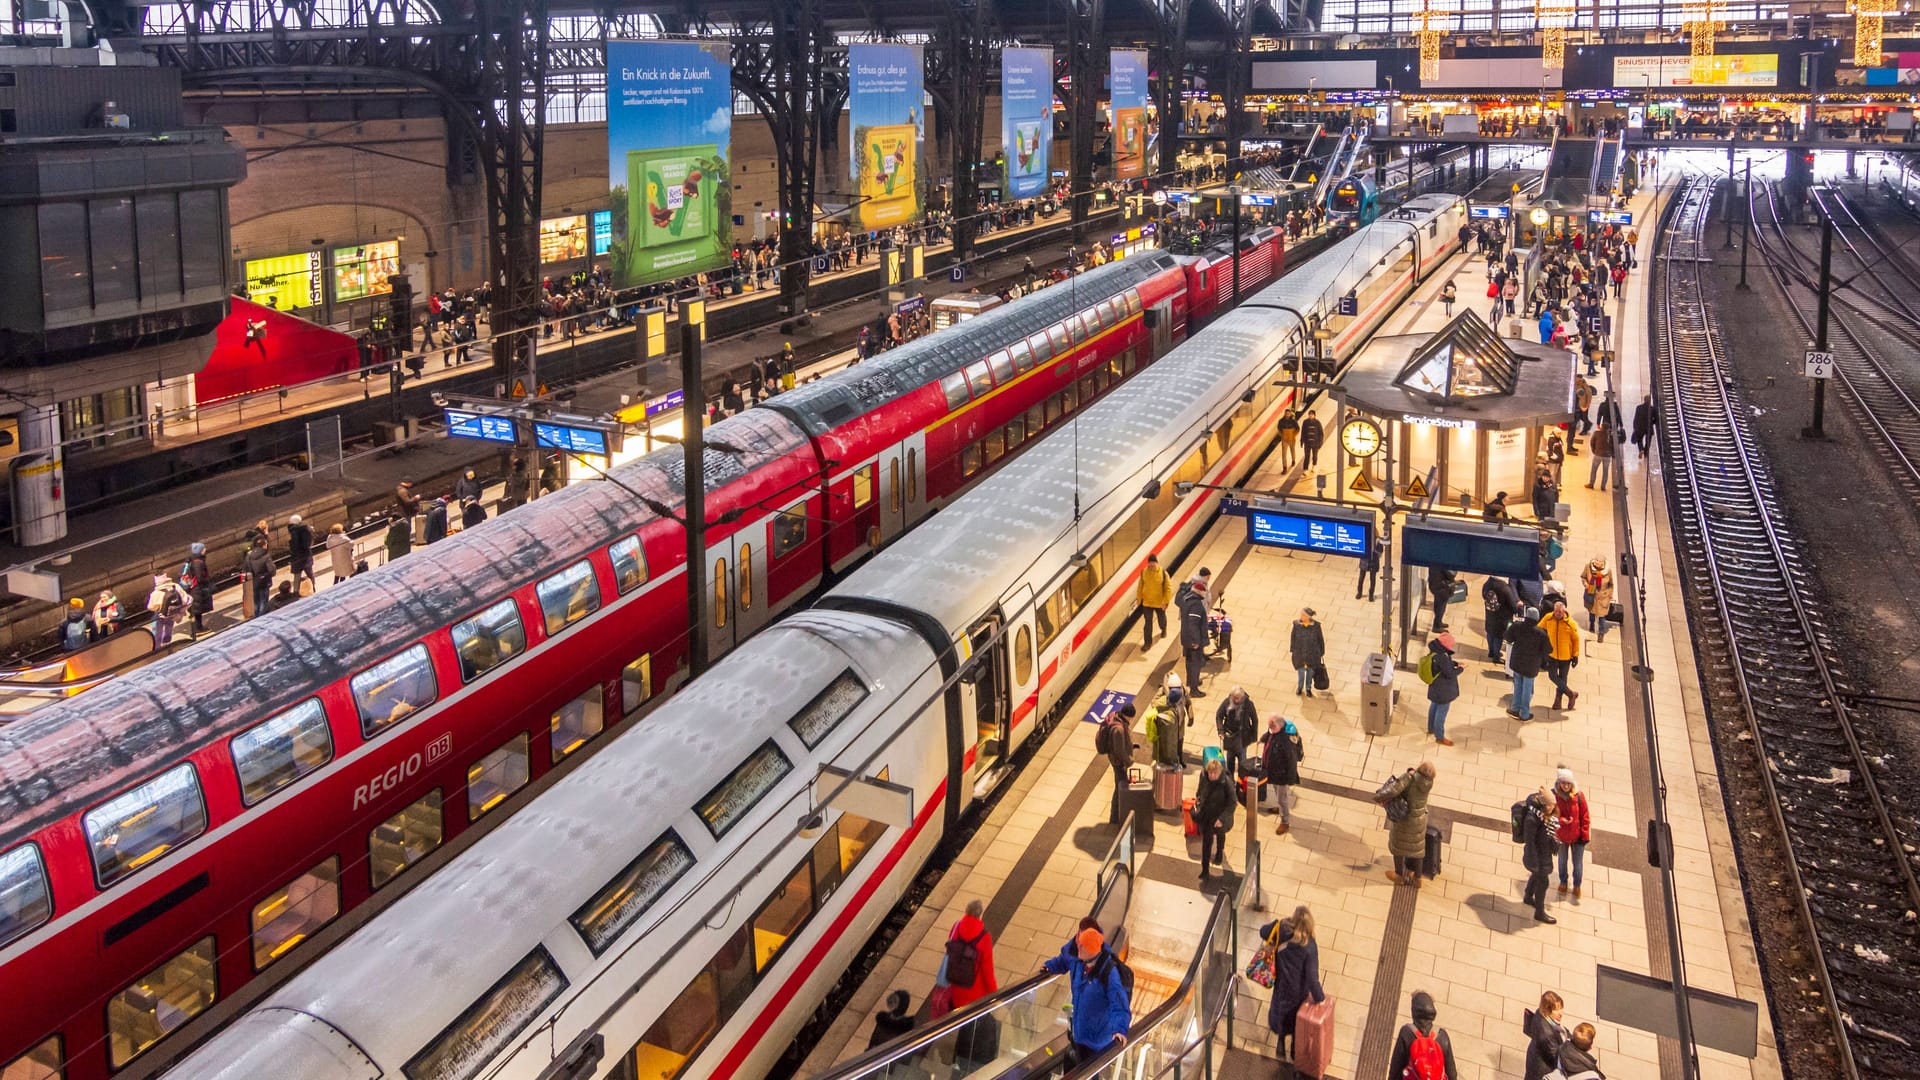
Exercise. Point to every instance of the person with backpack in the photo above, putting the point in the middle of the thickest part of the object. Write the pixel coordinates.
(1545, 1036)
(1527, 649)
(1534, 828)
(1441, 673)
(197, 579)
(1563, 653)
(1306, 649)
(1576, 827)
(73, 631)
(1213, 811)
(1238, 724)
(1407, 835)
(1156, 591)
(1422, 1051)
(1280, 759)
(1502, 605)
(1102, 994)
(1296, 974)
(167, 601)
(1577, 1059)
(1114, 740)
(969, 958)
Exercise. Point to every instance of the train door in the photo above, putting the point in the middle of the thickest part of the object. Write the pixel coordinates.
(736, 589)
(913, 473)
(1162, 327)
(985, 702)
(892, 468)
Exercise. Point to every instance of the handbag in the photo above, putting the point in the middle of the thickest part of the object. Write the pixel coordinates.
(939, 1002)
(1615, 613)
(1260, 968)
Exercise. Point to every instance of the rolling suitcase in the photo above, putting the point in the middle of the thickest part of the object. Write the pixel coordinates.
(1168, 784)
(1192, 828)
(1430, 865)
(1313, 1039)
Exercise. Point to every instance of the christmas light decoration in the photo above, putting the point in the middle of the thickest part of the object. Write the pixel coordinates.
(1554, 17)
(1869, 22)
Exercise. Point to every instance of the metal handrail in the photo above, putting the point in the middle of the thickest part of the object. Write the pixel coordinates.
(1179, 997)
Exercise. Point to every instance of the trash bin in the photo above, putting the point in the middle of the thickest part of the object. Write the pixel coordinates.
(1376, 694)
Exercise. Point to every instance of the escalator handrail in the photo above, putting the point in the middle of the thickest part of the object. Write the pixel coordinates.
(1181, 993)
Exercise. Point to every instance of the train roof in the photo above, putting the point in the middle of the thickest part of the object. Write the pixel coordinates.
(405, 976)
(1341, 268)
(822, 406)
(74, 753)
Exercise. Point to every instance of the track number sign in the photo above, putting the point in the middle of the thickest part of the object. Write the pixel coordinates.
(1819, 365)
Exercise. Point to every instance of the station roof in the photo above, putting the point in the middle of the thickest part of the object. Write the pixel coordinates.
(1540, 379)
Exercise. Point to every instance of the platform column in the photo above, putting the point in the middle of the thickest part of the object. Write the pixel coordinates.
(39, 490)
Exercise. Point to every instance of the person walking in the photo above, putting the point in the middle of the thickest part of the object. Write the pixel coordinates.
(1213, 811)
(166, 604)
(300, 552)
(1582, 406)
(1440, 584)
(1155, 592)
(1312, 435)
(1306, 649)
(259, 569)
(1114, 740)
(968, 962)
(1596, 583)
(1238, 723)
(1545, 1036)
(1601, 468)
(1577, 1058)
(1407, 838)
(1192, 602)
(399, 535)
(1563, 653)
(1502, 605)
(1527, 650)
(1448, 294)
(1537, 828)
(1422, 1049)
(1280, 758)
(1556, 457)
(1576, 827)
(1442, 688)
(197, 578)
(340, 552)
(1289, 428)
(1645, 416)
(1102, 1002)
(1370, 567)
(1296, 974)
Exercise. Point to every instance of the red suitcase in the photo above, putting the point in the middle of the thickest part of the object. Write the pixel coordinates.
(1191, 827)
(1313, 1039)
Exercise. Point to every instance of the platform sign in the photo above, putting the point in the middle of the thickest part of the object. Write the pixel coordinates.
(1127, 92)
(1233, 507)
(1819, 364)
(957, 273)
(670, 154)
(1329, 530)
(1026, 119)
(1256, 200)
(1350, 304)
(570, 437)
(466, 424)
(666, 403)
(886, 116)
(1108, 703)
(1496, 213)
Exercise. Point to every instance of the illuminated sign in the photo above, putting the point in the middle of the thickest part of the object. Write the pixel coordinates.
(1610, 217)
(1720, 69)
(1325, 529)
(285, 282)
(1256, 200)
(1500, 212)
(666, 403)
(602, 231)
(564, 238)
(1436, 421)
(363, 270)
(463, 424)
(574, 440)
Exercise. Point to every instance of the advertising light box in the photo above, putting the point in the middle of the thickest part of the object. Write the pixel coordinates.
(564, 238)
(363, 270)
(285, 282)
(1329, 530)
(602, 231)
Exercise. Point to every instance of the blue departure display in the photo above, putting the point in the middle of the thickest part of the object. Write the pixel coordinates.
(462, 424)
(1310, 532)
(574, 440)
(1489, 211)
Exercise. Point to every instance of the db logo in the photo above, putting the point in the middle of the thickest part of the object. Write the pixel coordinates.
(439, 748)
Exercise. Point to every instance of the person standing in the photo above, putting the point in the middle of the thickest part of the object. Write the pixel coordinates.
(1156, 591)
(1102, 1003)
(1546, 494)
(1577, 1059)
(1596, 583)
(340, 552)
(1296, 974)
(1312, 436)
(1306, 649)
(409, 502)
(259, 567)
(1442, 689)
(1582, 406)
(1545, 1036)
(1213, 811)
(467, 489)
(1556, 457)
(1527, 649)
(1280, 758)
(1563, 653)
(1238, 724)
(1448, 294)
(1289, 428)
(77, 629)
(1440, 584)
(1601, 468)
(197, 577)
(165, 604)
(436, 523)
(1502, 605)
(399, 535)
(107, 615)
(892, 1022)
(1537, 829)
(1114, 740)
(1576, 827)
(1407, 838)
(1370, 567)
(300, 551)
(1645, 416)
(1422, 1048)
(969, 958)
(1193, 632)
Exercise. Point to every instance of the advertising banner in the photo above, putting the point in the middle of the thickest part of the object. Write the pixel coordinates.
(363, 270)
(885, 93)
(1127, 87)
(563, 238)
(285, 282)
(1896, 69)
(1721, 69)
(670, 152)
(1026, 119)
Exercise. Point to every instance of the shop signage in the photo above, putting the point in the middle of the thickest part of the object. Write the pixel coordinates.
(1437, 421)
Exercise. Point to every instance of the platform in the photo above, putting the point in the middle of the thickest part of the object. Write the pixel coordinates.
(1465, 938)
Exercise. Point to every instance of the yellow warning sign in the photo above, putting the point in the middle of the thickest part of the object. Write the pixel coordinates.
(1360, 483)
(1418, 488)
(1516, 187)
(519, 388)
(543, 390)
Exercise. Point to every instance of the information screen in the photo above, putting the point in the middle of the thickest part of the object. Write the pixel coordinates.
(602, 231)
(1497, 212)
(574, 440)
(1330, 534)
(1471, 548)
(462, 424)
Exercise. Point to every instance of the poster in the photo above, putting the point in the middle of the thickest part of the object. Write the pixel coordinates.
(1721, 69)
(1896, 69)
(362, 270)
(285, 282)
(1026, 119)
(887, 121)
(602, 231)
(563, 238)
(670, 149)
(1127, 89)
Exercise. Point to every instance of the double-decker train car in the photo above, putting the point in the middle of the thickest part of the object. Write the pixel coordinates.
(680, 904)
(173, 834)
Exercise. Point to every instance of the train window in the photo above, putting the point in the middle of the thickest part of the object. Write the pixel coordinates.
(489, 639)
(292, 913)
(862, 486)
(1022, 355)
(629, 563)
(601, 920)
(1041, 347)
(697, 1013)
(1114, 373)
(568, 596)
(1086, 580)
(1133, 301)
(574, 724)
(43, 1062)
(1016, 433)
(1089, 388)
(827, 874)
(1061, 343)
(496, 776)
(1036, 419)
(734, 797)
(782, 916)
(1095, 318)
(1069, 398)
(979, 377)
(1203, 279)
(25, 901)
(894, 494)
(719, 593)
(1063, 609)
(913, 476)
(955, 387)
(789, 530)
(393, 688)
(745, 590)
(1078, 326)
(160, 1001)
(489, 1024)
(636, 684)
(404, 839)
(1002, 365)
(995, 445)
(828, 707)
(136, 827)
(969, 459)
(1043, 622)
(1022, 656)
(275, 752)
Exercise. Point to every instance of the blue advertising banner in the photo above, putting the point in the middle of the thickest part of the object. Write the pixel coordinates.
(885, 94)
(1127, 89)
(670, 151)
(1026, 119)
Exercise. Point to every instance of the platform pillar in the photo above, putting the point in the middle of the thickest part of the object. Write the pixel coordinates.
(39, 489)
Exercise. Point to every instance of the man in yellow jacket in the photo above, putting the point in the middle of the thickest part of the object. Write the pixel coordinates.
(1563, 652)
(1156, 592)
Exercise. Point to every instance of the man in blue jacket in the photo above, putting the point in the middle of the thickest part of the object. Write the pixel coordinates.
(1102, 1009)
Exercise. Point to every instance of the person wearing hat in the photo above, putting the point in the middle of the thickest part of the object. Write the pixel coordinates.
(1576, 827)
(1306, 648)
(1102, 1003)
(894, 1021)
(1539, 830)
(1423, 1042)
(1527, 649)
(1280, 765)
(1444, 688)
(74, 632)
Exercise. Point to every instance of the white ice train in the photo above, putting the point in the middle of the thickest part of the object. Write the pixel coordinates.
(681, 904)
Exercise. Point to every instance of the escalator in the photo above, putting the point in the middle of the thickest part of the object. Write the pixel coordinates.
(1569, 173)
(25, 690)
(1174, 1035)
(1334, 159)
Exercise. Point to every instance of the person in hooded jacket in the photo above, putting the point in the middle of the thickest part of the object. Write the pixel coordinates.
(1423, 1028)
(467, 489)
(436, 526)
(1280, 758)
(1192, 603)
(1444, 688)
(1306, 649)
(198, 579)
(1502, 605)
(1407, 838)
(893, 1021)
(76, 629)
(1102, 1005)
(399, 536)
(971, 929)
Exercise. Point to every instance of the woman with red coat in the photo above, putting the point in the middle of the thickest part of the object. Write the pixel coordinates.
(1576, 827)
(970, 954)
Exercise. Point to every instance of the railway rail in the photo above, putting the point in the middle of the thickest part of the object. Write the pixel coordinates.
(1764, 653)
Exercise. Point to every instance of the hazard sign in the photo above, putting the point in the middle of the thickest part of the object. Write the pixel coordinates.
(519, 388)
(543, 390)
(1417, 489)
(1360, 483)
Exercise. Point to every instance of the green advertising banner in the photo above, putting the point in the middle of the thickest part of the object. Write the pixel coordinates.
(885, 95)
(669, 132)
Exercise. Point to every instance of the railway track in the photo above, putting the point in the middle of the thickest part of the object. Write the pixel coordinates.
(1764, 654)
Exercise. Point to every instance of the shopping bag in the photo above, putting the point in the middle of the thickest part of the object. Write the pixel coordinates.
(1260, 968)
(1191, 828)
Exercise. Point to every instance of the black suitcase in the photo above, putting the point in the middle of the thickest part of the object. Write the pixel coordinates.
(979, 1041)
(1430, 864)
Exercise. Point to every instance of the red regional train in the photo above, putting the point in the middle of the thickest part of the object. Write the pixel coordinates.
(174, 833)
